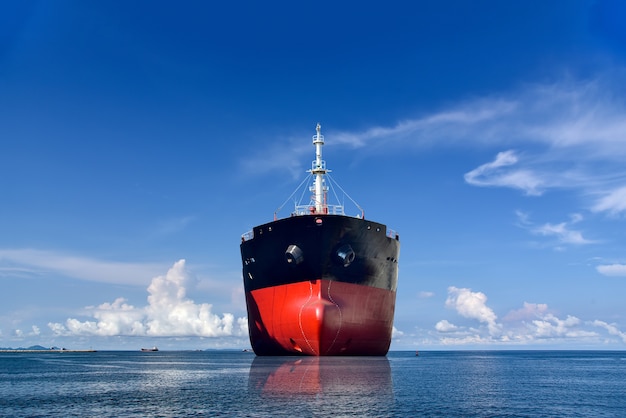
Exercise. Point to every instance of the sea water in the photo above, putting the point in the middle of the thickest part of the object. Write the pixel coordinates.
(222, 383)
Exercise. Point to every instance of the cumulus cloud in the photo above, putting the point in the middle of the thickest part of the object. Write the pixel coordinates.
(534, 323)
(528, 312)
(396, 332)
(472, 305)
(34, 332)
(168, 313)
(612, 329)
(551, 326)
(445, 326)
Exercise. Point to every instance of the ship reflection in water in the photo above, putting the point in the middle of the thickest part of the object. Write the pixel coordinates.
(367, 377)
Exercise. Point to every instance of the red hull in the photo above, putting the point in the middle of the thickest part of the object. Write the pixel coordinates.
(320, 318)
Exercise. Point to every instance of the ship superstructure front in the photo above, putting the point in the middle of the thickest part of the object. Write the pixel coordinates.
(320, 282)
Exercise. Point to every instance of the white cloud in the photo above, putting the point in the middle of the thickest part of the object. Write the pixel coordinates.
(395, 333)
(532, 324)
(529, 311)
(168, 313)
(34, 332)
(612, 270)
(445, 326)
(456, 124)
(493, 174)
(551, 326)
(472, 305)
(563, 135)
(38, 262)
(565, 115)
(425, 294)
(613, 202)
(612, 329)
(466, 338)
(562, 232)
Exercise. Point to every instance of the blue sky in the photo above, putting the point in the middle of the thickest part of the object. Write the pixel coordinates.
(139, 140)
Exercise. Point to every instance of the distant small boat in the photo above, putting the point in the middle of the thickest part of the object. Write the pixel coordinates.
(150, 349)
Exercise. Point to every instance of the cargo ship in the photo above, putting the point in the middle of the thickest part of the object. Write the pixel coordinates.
(320, 282)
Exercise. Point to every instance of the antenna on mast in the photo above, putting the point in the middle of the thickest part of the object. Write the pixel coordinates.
(318, 168)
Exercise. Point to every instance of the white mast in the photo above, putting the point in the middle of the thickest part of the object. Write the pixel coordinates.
(319, 170)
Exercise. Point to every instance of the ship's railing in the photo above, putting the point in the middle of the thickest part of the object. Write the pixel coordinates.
(247, 236)
(310, 210)
(305, 211)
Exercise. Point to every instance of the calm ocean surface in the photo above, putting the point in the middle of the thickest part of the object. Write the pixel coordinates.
(216, 383)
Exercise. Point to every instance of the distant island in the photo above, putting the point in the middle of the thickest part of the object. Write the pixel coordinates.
(42, 349)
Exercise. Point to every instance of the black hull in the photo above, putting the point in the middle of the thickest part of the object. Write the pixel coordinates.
(333, 247)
